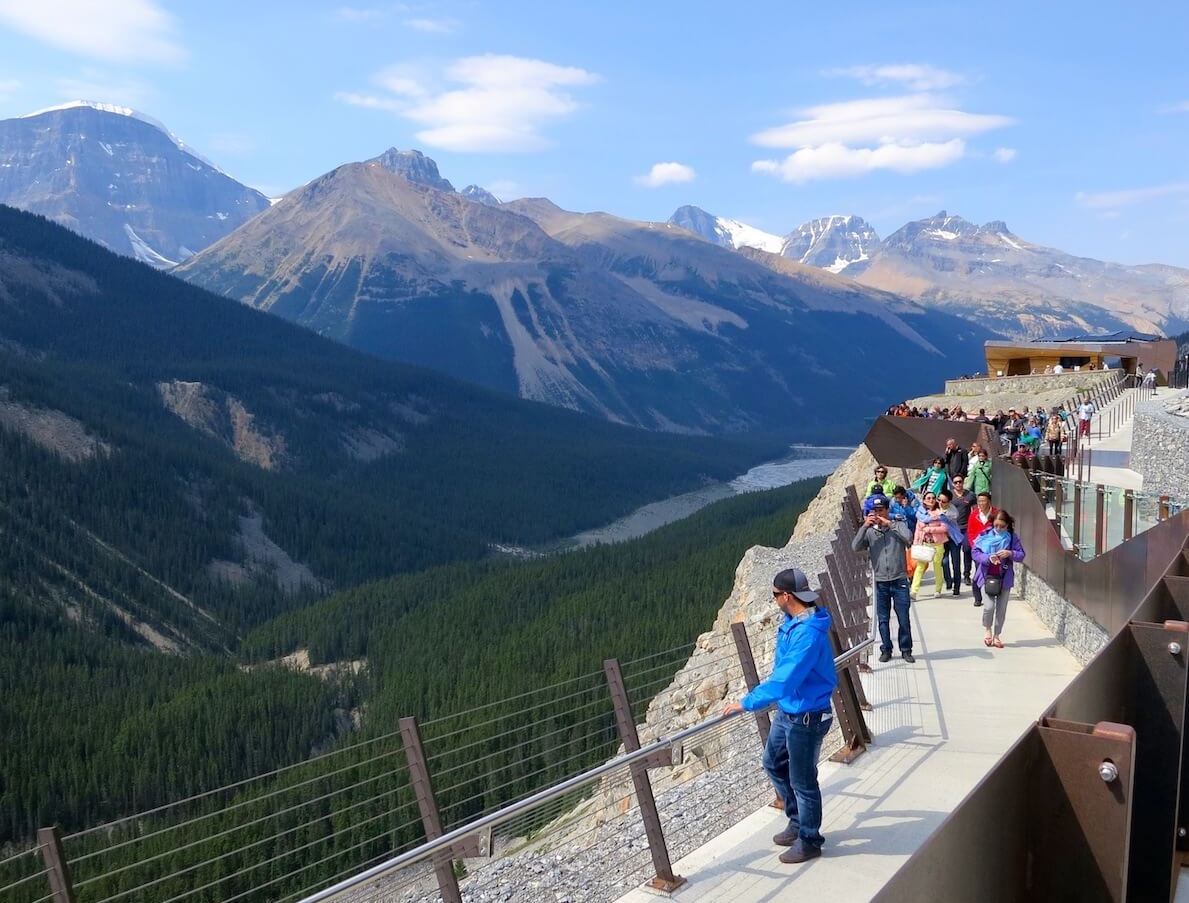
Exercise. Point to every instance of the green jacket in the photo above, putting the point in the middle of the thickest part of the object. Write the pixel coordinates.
(931, 480)
(888, 486)
(980, 476)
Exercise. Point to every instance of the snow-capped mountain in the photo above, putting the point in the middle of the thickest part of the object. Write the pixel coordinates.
(1023, 289)
(726, 233)
(480, 196)
(120, 178)
(833, 243)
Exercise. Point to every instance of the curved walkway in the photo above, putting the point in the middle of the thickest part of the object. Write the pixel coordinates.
(939, 726)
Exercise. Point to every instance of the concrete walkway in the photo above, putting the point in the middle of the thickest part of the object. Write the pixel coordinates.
(939, 726)
(1110, 458)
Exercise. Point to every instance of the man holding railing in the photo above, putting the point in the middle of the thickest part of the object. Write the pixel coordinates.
(801, 685)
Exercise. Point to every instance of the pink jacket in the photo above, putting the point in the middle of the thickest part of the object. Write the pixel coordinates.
(934, 531)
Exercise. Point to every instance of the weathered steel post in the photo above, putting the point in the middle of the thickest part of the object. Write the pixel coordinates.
(427, 803)
(57, 869)
(664, 880)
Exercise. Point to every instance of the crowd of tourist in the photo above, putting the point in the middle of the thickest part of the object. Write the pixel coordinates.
(944, 520)
(1025, 432)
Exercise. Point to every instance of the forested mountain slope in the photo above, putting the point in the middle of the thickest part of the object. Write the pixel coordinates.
(178, 469)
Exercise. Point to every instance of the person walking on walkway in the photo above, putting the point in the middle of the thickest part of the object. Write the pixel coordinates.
(982, 515)
(928, 543)
(1085, 414)
(933, 479)
(801, 685)
(980, 473)
(881, 480)
(996, 551)
(1055, 433)
(886, 538)
(963, 501)
(956, 459)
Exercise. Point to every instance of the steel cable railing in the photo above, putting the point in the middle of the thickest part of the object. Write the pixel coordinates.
(506, 813)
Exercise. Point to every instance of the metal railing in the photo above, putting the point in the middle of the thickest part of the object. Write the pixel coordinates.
(1092, 803)
(670, 747)
(506, 774)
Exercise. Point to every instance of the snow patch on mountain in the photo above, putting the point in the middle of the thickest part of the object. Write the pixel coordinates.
(144, 252)
(727, 233)
(831, 242)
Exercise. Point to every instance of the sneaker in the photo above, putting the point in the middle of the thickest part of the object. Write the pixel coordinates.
(799, 852)
(786, 838)
(957, 592)
(885, 656)
(907, 656)
(968, 581)
(978, 604)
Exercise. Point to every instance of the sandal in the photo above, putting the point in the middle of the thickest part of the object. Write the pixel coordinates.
(987, 641)
(997, 643)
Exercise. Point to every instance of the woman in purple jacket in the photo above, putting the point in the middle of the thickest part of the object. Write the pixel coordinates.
(995, 552)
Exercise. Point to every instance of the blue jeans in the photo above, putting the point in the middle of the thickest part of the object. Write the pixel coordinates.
(887, 594)
(790, 758)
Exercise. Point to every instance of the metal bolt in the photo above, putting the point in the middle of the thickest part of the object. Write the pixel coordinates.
(1181, 832)
(1174, 648)
(1108, 771)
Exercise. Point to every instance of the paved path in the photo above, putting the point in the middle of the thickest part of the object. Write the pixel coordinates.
(1110, 459)
(939, 724)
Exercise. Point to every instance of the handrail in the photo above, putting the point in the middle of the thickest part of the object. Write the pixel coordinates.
(512, 810)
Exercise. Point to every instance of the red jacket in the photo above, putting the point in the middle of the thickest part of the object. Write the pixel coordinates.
(975, 526)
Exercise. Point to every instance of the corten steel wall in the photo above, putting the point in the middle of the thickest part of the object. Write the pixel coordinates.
(1043, 824)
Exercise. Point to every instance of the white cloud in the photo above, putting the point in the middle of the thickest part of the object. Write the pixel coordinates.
(357, 15)
(498, 102)
(125, 31)
(95, 84)
(666, 174)
(1128, 197)
(370, 101)
(916, 76)
(915, 117)
(901, 134)
(1005, 154)
(837, 161)
(433, 26)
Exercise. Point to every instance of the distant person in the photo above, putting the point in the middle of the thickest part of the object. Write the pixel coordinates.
(928, 543)
(982, 515)
(1010, 430)
(1055, 433)
(956, 459)
(980, 474)
(996, 551)
(1149, 382)
(1085, 414)
(876, 494)
(886, 539)
(881, 480)
(960, 561)
(933, 479)
(1058, 370)
(801, 685)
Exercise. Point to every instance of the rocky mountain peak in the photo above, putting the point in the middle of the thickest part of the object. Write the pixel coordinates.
(480, 195)
(120, 178)
(414, 166)
(726, 233)
(833, 243)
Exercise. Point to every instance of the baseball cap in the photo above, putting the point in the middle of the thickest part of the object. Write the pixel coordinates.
(879, 501)
(794, 582)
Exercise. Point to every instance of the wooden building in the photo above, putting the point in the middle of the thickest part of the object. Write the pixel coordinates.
(1128, 351)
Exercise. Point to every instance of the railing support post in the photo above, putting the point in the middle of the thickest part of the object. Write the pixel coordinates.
(1077, 519)
(1128, 514)
(427, 803)
(664, 880)
(57, 869)
(1099, 519)
(750, 675)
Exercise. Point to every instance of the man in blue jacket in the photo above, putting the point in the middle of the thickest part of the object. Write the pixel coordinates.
(801, 685)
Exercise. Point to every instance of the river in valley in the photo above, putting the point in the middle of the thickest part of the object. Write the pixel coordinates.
(800, 463)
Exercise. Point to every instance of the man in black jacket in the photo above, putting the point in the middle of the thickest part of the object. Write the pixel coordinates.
(962, 501)
(956, 460)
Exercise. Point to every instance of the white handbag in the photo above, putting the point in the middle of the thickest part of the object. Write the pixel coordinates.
(922, 553)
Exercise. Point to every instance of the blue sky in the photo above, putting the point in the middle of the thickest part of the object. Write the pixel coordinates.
(1069, 122)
